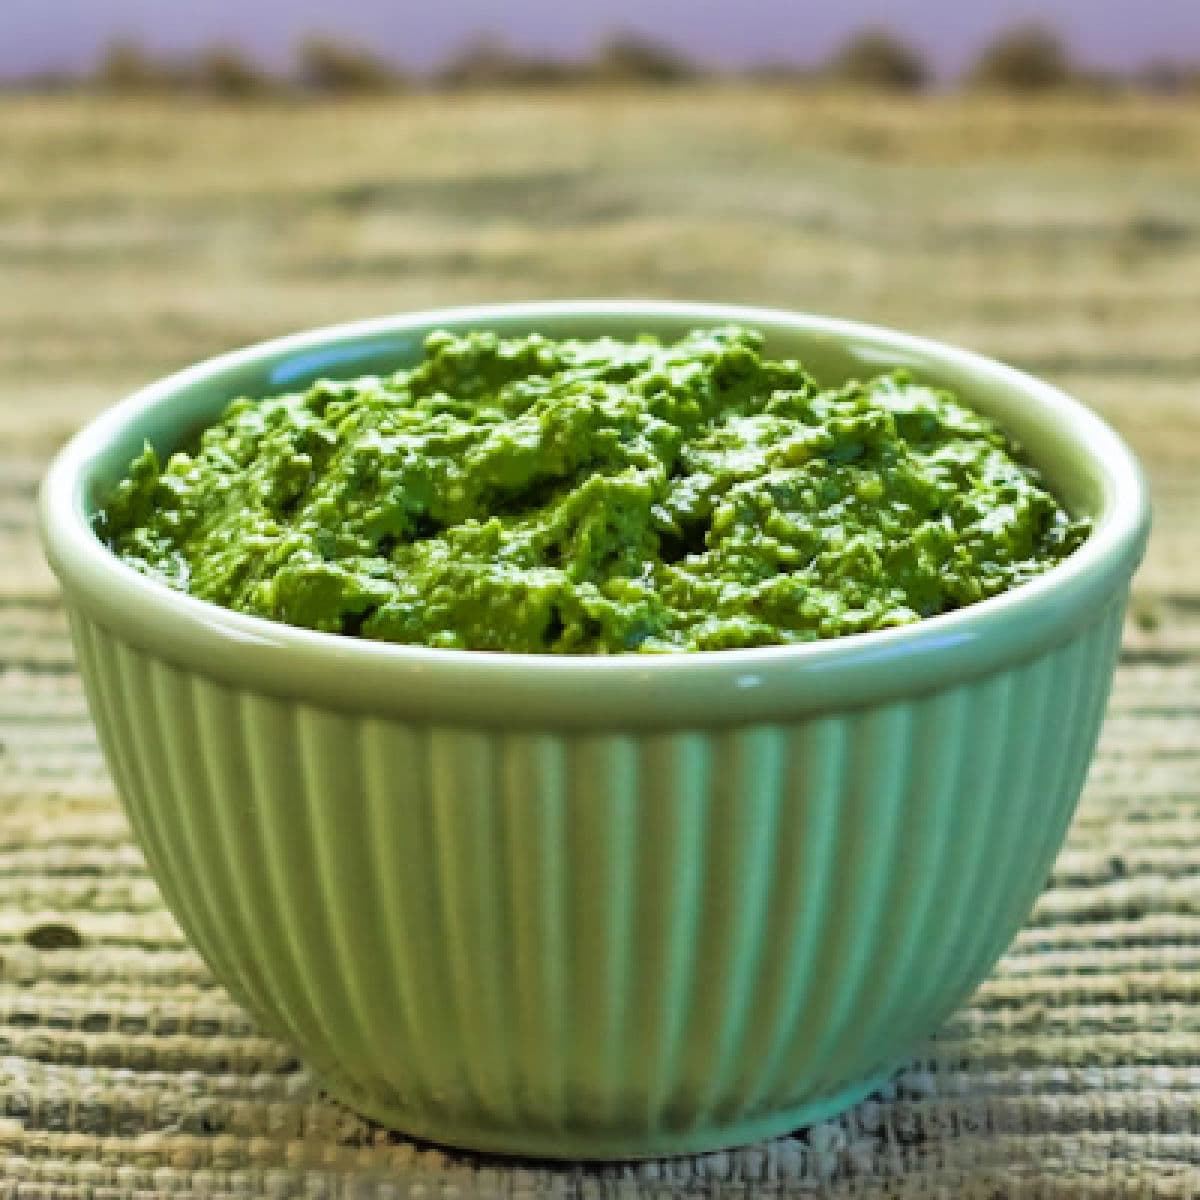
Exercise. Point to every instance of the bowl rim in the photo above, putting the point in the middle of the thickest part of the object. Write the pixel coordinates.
(665, 690)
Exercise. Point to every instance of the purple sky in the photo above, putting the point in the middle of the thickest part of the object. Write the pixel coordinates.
(38, 35)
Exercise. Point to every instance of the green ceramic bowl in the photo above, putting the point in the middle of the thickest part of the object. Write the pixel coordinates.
(600, 907)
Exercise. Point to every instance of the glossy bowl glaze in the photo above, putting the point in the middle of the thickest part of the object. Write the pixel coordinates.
(600, 907)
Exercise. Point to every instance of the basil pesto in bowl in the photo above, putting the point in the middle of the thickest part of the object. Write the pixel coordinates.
(585, 893)
(593, 497)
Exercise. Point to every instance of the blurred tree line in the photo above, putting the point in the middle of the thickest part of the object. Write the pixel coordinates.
(1024, 59)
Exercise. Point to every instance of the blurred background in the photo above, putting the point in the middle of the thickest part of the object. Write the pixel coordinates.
(1021, 178)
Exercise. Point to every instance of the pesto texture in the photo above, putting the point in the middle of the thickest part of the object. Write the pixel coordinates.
(593, 497)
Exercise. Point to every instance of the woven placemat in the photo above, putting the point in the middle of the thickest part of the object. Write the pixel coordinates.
(126, 1071)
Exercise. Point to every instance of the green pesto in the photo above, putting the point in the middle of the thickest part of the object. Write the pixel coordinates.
(593, 497)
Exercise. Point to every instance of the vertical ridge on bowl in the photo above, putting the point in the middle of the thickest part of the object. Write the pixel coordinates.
(953, 876)
(328, 764)
(746, 799)
(984, 812)
(708, 912)
(839, 937)
(532, 781)
(1081, 674)
(814, 778)
(674, 783)
(600, 803)
(873, 789)
(592, 784)
(90, 653)
(889, 803)
(1098, 664)
(268, 830)
(395, 883)
(94, 653)
(952, 799)
(209, 862)
(1002, 898)
(1002, 912)
(231, 844)
(763, 766)
(459, 781)
(931, 796)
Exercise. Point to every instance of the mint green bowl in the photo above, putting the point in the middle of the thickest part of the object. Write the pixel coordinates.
(600, 907)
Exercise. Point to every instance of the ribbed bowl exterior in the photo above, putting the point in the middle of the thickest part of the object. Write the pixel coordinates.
(610, 943)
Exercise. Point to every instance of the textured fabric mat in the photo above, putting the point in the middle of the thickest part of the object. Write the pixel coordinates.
(124, 1070)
